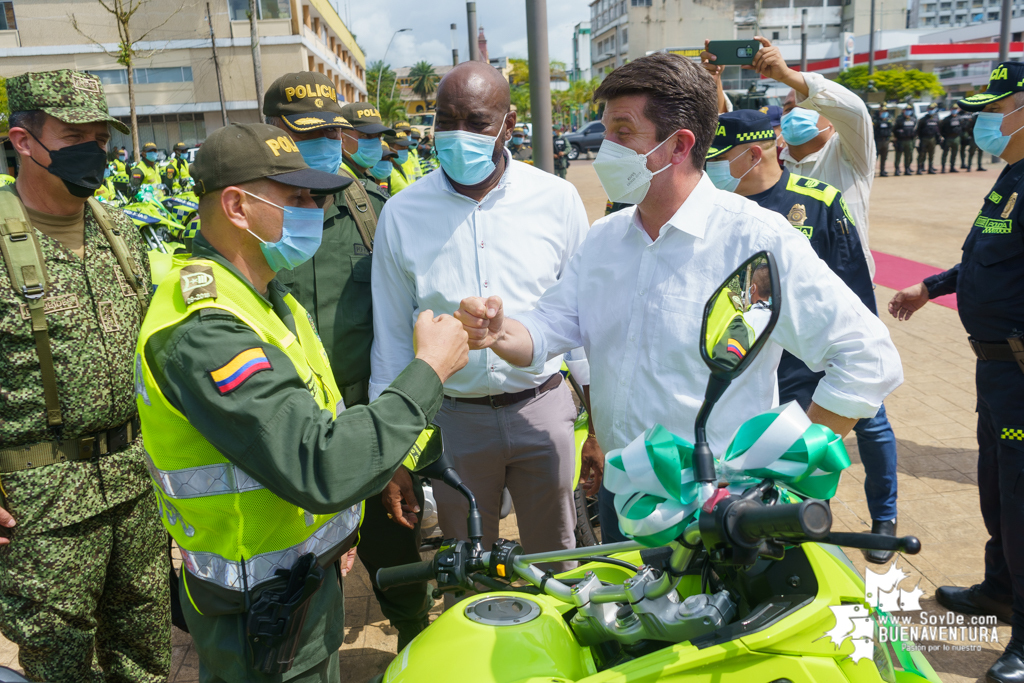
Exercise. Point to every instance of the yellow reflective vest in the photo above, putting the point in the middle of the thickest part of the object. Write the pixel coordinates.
(233, 532)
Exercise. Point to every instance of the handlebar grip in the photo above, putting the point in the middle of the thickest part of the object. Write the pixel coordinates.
(909, 545)
(810, 520)
(404, 574)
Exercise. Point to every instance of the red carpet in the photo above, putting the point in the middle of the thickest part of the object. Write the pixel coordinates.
(896, 273)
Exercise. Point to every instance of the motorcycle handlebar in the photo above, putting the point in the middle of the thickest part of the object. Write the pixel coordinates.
(419, 572)
(909, 545)
(810, 520)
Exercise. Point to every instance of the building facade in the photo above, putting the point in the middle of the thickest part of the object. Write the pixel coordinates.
(176, 93)
(957, 13)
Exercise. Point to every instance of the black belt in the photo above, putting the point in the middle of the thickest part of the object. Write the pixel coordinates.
(30, 456)
(1011, 350)
(503, 400)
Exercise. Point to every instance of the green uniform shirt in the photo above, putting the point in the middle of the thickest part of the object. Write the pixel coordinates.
(521, 152)
(334, 286)
(93, 318)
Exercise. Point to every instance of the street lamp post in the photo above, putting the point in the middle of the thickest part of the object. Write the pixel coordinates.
(383, 61)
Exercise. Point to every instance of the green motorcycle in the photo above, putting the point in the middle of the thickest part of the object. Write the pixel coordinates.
(733, 576)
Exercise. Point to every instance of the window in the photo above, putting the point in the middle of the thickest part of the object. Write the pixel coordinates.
(640, 3)
(172, 74)
(775, 35)
(7, 22)
(238, 10)
(625, 37)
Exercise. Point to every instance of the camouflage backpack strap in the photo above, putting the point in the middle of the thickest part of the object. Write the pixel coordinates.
(27, 270)
(120, 249)
(358, 202)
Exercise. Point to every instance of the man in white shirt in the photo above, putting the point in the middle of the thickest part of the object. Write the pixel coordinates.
(841, 152)
(486, 223)
(633, 295)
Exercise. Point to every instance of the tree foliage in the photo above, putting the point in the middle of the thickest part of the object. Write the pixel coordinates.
(387, 80)
(5, 109)
(896, 82)
(521, 101)
(392, 110)
(423, 80)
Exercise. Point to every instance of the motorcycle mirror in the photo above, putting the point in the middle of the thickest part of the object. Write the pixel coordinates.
(738, 320)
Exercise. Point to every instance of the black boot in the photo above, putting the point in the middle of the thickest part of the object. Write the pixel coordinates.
(896, 173)
(884, 174)
(973, 601)
(920, 171)
(1010, 667)
(952, 169)
(882, 529)
(981, 169)
(931, 171)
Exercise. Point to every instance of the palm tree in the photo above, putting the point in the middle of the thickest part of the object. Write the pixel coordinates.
(387, 79)
(423, 80)
(521, 101)
(561, 101)
(392, 110)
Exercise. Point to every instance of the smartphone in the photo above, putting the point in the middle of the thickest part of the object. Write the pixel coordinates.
(732, 52)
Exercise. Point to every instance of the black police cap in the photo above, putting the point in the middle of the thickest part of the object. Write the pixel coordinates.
(739, 128)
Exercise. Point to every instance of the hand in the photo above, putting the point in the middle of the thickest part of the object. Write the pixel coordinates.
(705, 61)
(769, 63)
(399, 499)
(483, 320)
(592, 467)
(6, 521)
(347, 560)
(908, 301)
(441, 343)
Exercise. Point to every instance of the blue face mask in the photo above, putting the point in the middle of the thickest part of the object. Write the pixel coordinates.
(403, 156)
(323, 154)
(107, 173)
(414, 144)
(988, 133)
(150, 156)
(467, 158)
(720, 173)
(382, 169)
(369, 152)
(517, 139)
(800, 126)
(301, 233)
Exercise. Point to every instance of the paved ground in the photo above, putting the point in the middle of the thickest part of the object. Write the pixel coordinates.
(923, 218)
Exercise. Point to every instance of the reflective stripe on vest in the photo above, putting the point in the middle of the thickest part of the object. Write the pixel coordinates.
(206, 480)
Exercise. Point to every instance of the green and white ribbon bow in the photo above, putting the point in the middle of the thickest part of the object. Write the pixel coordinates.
(652, 477)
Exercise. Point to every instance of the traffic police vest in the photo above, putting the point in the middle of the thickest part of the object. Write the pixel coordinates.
(233, 532)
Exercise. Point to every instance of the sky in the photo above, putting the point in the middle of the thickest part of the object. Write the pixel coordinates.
(503, 21)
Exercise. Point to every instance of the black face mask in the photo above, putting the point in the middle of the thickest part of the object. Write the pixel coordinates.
(79, 166)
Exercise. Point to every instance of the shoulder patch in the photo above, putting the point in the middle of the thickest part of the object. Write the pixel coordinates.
(197, 283)
(233, 374)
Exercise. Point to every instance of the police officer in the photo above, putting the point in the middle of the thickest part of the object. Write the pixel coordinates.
(383, 169)
(120, 162)
(148, 165)
(416, 137)
(425, 151)
(411, 166)
(819, 211)
(883, 133)
(906, 127)
(360, 142)
(969, 144)
(235, 384)
(399, 167)
(334, 286)
(179, 162)
(927, 134)
(989, 286)
(561, 152)
(950, 129)
(518, 148)
(85, 566)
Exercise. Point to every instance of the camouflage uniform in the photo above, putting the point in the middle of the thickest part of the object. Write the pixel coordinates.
(84, 580)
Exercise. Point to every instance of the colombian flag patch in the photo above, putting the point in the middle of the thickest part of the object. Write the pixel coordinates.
(734, 347)
(230, 376)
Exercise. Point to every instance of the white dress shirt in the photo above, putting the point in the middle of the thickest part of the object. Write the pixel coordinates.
(847, 161)
(636, 307)
(434, 247)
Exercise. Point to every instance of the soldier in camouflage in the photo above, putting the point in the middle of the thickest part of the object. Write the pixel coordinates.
(84, 589)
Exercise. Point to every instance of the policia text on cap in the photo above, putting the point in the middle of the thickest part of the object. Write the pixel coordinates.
(236, 384)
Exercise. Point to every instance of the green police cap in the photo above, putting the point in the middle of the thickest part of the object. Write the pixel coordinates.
(387, 152)
(1006, 79)
(66, 95)
(305, 101)
(242, 152)
(149, 146)
(400, 140)
(739, 128)
(365, 118)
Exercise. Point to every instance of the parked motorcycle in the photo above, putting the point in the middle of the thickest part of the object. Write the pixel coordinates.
(733, 574)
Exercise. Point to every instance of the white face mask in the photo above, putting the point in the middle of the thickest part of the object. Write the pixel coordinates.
(623, 172)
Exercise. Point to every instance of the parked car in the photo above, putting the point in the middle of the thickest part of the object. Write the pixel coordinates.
(586, 139)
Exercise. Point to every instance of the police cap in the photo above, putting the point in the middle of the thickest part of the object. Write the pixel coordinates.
(365, 118)
(400, 140)
(1006, 79)
(242, 152)
(305, 101)
(739, 128)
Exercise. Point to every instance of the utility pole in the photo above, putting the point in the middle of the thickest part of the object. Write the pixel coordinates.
(540, 83)
(803, 41)
(455, 49)
(216, 66)
(474, 47)
(871, 42)
(1004, 30)
(257, 64)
